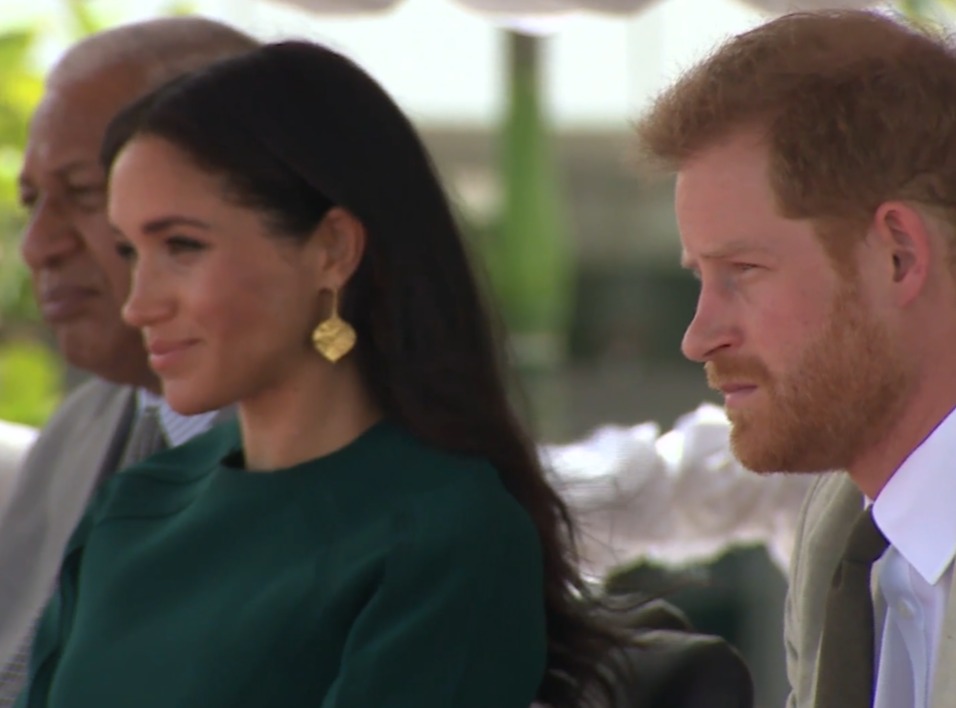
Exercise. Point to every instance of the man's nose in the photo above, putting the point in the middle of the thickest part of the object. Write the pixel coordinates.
(712, 330)
(49, 236)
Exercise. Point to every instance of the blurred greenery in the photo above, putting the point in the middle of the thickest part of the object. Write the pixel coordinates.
(919, 9)
(530, 261)
(30, 381)
(20, 88)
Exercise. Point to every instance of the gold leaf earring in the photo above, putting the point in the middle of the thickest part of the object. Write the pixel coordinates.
(334, 337)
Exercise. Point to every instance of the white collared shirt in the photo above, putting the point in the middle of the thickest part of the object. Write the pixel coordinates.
(915, 513)
(177, 428)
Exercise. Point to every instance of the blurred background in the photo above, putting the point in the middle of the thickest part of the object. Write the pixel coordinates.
(528, 121)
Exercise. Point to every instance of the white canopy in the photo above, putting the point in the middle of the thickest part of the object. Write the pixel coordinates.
(530, 8)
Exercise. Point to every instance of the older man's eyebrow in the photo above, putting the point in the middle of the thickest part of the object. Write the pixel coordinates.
(77, 165)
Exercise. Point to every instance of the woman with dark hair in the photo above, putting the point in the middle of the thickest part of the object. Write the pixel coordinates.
(376, 529)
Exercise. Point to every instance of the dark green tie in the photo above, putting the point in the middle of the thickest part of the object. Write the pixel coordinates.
(845, 665)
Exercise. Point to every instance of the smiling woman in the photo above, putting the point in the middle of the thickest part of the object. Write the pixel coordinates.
(209, 274)
(376, 530)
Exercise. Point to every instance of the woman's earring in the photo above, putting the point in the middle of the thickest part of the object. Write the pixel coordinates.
(334, 337)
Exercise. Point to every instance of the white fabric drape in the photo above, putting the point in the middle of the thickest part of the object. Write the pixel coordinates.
(675, 498)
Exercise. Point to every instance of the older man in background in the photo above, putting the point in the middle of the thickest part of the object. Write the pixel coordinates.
(117, 417)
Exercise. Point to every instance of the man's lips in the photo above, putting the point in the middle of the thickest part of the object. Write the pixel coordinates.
(63, 302)
(735, 393)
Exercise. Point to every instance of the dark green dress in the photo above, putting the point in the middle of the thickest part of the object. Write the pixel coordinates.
(385, 575)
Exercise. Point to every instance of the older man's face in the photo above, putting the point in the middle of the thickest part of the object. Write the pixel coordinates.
(79, 281)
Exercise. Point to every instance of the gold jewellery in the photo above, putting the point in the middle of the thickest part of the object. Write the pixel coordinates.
(334, 337)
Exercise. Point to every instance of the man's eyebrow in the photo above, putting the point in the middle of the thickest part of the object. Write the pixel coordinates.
(722, 252)
(74, 166)
(63, 171)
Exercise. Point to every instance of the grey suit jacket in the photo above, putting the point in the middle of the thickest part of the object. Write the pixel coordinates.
(81, 442)
(831, 506)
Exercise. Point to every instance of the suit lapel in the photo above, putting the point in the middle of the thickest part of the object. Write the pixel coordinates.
(827, 539)
(51, 494)
(836, 505)
(944, 681)
(95, 444)
(224, 415)
(107, 453)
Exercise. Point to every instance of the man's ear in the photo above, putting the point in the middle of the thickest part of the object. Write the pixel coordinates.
(341, 239)
(905, 236)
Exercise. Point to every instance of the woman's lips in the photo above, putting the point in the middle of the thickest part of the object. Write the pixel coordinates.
(164, 355)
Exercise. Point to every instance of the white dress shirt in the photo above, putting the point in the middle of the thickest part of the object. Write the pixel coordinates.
(177, 428)
(913, 578)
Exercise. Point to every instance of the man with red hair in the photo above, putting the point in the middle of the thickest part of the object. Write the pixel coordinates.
(816, 200)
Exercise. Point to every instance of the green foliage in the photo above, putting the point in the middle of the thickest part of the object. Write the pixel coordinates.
(926, 9)
(30, 382)
(20, 89)
(83, 17)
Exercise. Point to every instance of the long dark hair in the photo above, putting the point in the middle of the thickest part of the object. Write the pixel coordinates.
(294, 128)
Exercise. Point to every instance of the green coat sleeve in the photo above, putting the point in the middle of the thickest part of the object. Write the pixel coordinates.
(458, 619)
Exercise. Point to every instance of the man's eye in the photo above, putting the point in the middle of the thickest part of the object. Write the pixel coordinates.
(126, 252)
(28, 200)
(88, 195)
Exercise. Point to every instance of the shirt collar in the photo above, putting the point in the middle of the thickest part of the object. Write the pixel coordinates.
(915, 508)
(177, 428)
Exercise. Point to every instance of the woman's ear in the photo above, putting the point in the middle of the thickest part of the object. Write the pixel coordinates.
(341, 238)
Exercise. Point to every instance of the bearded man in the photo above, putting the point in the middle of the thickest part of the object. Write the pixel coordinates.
(816, 201)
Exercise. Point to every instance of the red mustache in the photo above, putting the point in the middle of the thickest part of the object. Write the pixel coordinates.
(725, 370)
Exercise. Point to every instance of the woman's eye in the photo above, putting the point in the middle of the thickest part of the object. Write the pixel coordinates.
(183, 244)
